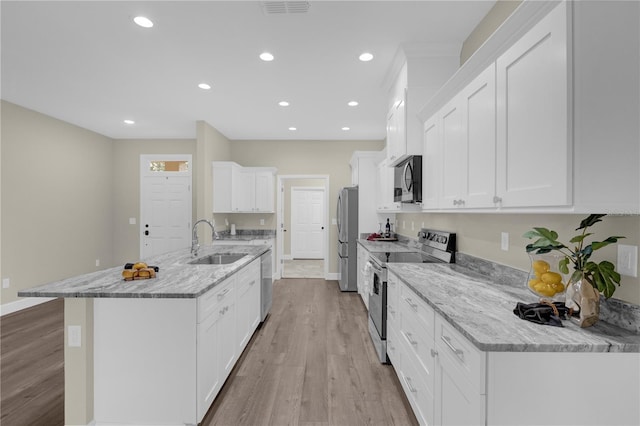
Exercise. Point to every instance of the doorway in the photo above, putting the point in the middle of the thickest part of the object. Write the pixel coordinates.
(165, 203)
(302, 226)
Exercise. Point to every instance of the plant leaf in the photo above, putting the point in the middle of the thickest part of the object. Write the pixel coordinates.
(590, 221)
(599, 244)
(576, 276)
(531, 234)
(563, 265)
(550, 235)
(579, 238)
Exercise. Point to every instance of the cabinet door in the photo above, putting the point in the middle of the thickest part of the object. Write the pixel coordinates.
(431, 165)
(455, 403)
(533, 139)
(208, 363)
(248, 303)
(264, 192)
(454, 156)
(244, 191)
(479, 120)
(396, 130)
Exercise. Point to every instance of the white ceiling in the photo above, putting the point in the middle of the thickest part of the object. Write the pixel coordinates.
(87, 63)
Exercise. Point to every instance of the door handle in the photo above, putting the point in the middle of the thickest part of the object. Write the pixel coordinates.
(146, 233)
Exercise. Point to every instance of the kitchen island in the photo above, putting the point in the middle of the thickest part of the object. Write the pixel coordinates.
(156, 351)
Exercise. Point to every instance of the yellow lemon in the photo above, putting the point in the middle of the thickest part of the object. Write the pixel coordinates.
(558, 287)
(534, 282)
(540, 267)
(551, 278)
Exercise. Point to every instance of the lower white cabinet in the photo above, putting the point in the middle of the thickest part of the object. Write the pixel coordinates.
(163, 361)
(449, 381)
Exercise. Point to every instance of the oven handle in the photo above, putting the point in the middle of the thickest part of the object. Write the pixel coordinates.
(374, 266)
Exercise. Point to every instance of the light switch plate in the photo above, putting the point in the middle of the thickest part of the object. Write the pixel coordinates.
(504, 241)
(627, 260)
(6, 283)
(132, 221)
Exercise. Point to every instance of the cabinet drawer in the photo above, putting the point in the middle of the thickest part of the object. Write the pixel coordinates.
(410, 303)
(420, 395)
(249, 273)
(393, 290)
(420, 344)
(460, 356)
(219, 294)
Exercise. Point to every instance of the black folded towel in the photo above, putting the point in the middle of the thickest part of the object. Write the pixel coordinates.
(545, 312)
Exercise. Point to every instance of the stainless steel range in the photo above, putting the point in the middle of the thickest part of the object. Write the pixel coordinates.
(434, 247)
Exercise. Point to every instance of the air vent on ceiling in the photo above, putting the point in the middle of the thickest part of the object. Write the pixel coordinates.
(284, 7)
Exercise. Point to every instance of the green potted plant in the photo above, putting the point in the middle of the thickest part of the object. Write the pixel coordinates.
(587, 274)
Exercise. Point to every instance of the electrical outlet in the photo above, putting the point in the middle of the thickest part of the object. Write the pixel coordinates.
(627, 260)
(75, 336)
(504, 241)
(404, 226)
(422, 225)
(261, 221)
(6, 283)
(412, 225)
(132, 221)
(97, 262)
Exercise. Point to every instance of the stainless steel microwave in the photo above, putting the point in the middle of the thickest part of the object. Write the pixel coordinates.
(407, 186)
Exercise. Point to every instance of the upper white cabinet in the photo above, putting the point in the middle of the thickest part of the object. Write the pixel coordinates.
(384, 183)
(363, 172)
(417, 79)
(555, 129)
(534, 147)
(238, 189)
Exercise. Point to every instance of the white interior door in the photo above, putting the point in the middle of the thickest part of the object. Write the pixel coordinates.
(165, 203)
(307, 223)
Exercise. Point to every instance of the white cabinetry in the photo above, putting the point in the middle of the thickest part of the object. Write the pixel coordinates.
(449, 381)
(238, 189)
(364, 170)
(248, 304)
(534, 144)
(566, 108)
(364, 276)
(163, 361)
(385, 184)
(417, 79)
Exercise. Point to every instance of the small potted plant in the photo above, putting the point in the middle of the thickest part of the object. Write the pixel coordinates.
(587, 275)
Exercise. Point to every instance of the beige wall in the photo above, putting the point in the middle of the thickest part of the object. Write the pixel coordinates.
(126, 187)
(211, 145)
(493, 19)
(307, 158)
(57, 197)
(479, 235)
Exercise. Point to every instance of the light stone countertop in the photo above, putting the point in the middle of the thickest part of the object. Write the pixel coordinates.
(482, 311)
(176, 278)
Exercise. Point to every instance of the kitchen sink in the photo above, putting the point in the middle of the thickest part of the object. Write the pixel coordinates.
(218, 259)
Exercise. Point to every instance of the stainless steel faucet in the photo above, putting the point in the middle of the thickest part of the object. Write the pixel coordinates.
(194, 236)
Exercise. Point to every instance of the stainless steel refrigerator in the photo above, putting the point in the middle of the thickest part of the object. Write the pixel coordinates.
(347, 221)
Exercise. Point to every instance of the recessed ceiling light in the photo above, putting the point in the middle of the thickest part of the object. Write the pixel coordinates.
(129, 121)
(366, 57)
(293, 129)
(346, 128)
(283, 103)
(266, 56)
(204, 86)
(353, 103)
(143, 21)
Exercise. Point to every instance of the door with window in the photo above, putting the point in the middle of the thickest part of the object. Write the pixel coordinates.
(165, 203)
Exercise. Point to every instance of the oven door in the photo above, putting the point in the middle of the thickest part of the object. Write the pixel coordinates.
(378, 301)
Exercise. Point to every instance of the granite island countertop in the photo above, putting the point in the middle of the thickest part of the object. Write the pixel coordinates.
(385, 246)
(176, 278)
(483, 312)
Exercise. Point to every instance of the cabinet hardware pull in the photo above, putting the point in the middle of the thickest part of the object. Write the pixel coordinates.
(410, 384)
(497, 199)
(410, 339)
(414, 306)
(434, 353)
(455, 350)
(224, 293)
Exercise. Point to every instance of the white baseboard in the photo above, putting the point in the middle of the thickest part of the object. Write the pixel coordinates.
(24, 303)
(287, 257)
(332, 276)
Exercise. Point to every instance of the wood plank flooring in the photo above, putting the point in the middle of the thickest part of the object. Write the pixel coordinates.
(32, 366)
(311, 363)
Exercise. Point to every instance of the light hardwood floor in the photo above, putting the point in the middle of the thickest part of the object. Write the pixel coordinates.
(32, 366)
(311, 363)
